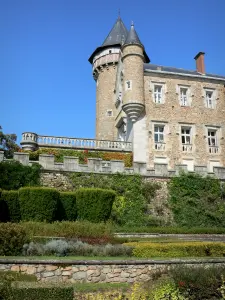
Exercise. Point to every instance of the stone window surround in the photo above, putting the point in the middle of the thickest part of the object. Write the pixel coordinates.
(214, 97)
(159, 146)
(212, 141)
(188, 147)
(179, 87)
(164, 91)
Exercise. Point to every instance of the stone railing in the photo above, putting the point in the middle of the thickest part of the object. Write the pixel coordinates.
(187, 147)
(97, 165)
(33, 141)
(213, 149)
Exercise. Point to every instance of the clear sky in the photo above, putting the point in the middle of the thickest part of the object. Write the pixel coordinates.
(46, 83)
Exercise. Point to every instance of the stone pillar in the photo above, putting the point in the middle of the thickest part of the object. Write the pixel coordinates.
(47, 161)
(71, 163)
(23, 158)
(161, 169)
(117, 166)
(94, 164)
(219, 172)
(202, 170)
(180, 168)
(140, 140)
(139, 168)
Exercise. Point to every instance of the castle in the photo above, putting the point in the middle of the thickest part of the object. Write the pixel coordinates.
(164, 115)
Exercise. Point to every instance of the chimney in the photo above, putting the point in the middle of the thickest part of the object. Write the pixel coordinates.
(200, 65)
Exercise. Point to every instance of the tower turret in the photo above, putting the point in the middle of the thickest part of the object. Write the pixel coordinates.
(133, 59)
(104, 62)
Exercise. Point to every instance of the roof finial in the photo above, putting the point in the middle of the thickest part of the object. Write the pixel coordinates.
(119, 14)
(132, 23)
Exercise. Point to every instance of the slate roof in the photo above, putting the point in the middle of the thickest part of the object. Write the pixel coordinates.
(116, 37)
(162, 69)
(132, 37)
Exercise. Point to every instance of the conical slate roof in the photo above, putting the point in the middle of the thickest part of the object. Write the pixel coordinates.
(117, 35)
(132, 37)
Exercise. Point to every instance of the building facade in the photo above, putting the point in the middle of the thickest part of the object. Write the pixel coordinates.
(172, 116)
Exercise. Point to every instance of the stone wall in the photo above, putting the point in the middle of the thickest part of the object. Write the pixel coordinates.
(98, 271)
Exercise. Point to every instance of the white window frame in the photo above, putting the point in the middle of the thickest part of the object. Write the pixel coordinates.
(213, 140)
(184, 98)
(186, 135)
(158, 93)
(159, 142)
(210, 102)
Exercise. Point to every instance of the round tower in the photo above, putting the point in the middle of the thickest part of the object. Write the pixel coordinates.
(104, 62)
(133, 57)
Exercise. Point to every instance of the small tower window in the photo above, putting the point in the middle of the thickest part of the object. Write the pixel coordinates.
(128, 85)
(110, 51)
(109, 113)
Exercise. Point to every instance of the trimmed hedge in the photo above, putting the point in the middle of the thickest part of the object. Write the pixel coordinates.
(12, 239)
(41, 293)
(38, 204)
(94, 205)
(184, 249)
(12, 206)
(67, 206)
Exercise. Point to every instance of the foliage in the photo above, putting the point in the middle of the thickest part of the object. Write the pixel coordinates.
(15, 175)
(196, 201)
(198, 282)
(178, 249)
(78, 248)
(165, 290)
(12, 238)
(43, 293)
(67, 206)
(11, 211)
(67, 229)
(129, 206)
(38, 204)
(94, 204)
(8, 144)
(83, 155)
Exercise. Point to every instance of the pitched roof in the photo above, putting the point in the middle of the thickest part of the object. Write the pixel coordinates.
(117, 34)
(172, 70)
(116, 37)
(132, 37)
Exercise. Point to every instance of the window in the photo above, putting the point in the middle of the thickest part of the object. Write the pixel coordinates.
(158, 94)
(128, 85)
(186, 140)
(183, 96)
(209, 99)
(213, 141)
(159, 143)
(109, 113)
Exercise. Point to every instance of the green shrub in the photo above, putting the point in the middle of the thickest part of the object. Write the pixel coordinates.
(94, 205)
(11, 199)
(68, 229)
(198, 282)
(196, 201)
(14, 175)
(43, 293)
(38, 204)
(12, 239)
(184, 249)
(67, 208)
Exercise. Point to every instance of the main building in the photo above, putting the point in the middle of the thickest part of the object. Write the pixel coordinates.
(172, 116)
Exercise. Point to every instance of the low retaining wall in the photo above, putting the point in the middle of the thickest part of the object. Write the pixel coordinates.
(97, 271)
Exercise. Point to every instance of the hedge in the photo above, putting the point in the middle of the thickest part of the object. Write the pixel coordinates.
(184, 249)
(12, 206)
(38, 204)
(12, 239)
(41, 293)
(94, 205)
(67, 209)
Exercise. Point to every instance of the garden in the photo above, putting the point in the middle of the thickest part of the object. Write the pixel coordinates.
(39, 223)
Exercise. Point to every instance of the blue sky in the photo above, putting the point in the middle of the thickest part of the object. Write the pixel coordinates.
(46, 83)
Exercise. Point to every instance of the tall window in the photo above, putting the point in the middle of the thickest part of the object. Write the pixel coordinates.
(212, 137)
(209, 101)
(183, 96)
(186, 135)
(159, 133)
(158, 94)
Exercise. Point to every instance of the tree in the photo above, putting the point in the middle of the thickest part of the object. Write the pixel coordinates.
(8, 143)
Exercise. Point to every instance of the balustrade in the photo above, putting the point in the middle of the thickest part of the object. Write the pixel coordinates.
(75, 143)
(160, 146)
(213, 149)
(187, 148)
